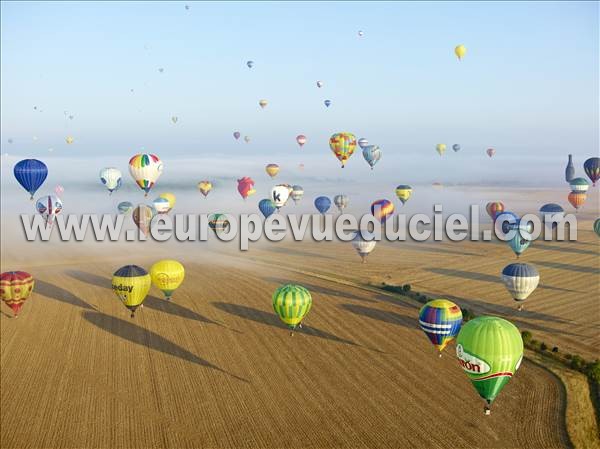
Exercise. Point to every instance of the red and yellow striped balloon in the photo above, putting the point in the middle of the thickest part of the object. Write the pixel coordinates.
(577, 199)
(343, 146)
(15, 288)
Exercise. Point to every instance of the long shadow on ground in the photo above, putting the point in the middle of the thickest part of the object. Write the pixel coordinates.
(320, 289)
(569, 267)
(143, 337)
(152, 302)
(270, 319)
(382, 315)
(60, 294)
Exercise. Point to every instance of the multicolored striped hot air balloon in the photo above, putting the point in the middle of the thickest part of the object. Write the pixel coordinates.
(218, 223)
(15, 288)
(343, 146)
(382, 210)
(489, 350)
(161, 205)
(131, 285)
(577, 199)
(291, 303)
(592, 169)
(403, 192)
(170, 197)
(145, 169)
(297, 193)
(494, 208)
(167, 275)
(440, 319)
(520, 279)
(31, 174)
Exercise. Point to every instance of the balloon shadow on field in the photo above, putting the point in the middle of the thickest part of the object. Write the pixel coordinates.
(143, 337)
(487, 278)
(270, 319)
(381, 315)
(152, 302)
(430, 248)
(297, 252)
(320, 289)
(568, 267)
(563, 248)
(60, 294)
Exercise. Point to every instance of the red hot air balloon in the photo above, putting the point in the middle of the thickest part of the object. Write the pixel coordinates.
(246, 187)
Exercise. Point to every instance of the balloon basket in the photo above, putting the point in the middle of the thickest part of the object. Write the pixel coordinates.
(487, 411)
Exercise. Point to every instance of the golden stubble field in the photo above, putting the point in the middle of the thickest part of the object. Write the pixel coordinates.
(215, 368)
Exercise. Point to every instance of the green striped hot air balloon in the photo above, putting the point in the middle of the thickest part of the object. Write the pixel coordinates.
(597, 227)
(489, 350)
(292, 302)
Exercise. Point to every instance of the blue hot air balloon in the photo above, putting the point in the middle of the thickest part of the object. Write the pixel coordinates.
(372, 154)
(327, 103)
(267, 207)
(31, 174)
(506, 219)
(125, 207)
(522, 238)
(456, 147)
(322, 204)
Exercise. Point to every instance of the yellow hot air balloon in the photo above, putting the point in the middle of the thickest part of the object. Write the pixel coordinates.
(460, 51)
(205, 187)
(263, 103)
(440, 148)
(343, 146)
(272, 170)
(131, 284)
(69, 140)
(403, 192)
(167, 275)
(169, 197)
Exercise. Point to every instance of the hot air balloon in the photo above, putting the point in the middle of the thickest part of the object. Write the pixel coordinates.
(15, 288)
(301, 139)
(161, 205)
(205, 187)
(343, 146)
(579, 185)
(494, 208)
(31, 174)
(142, 217)
(460, 51)
(145, 169)
(322, 203)
(597, 226)
(272, 170)
(592, 169)
(246, 187)
(69, 140)
(250, 64)
(577, 199)
(280, 195)
(267, 207)
(167, 275)
(506, 219)
(440, 148)
(131, 285)
(552, 212)
(263, 103)
(170, 198)
(125, 207)
(521, 240)
(111, 178)
(218, 223)
(489, 350)
(174, 119)
(520, 279)
(292, 303)
(59, 190)
(327, 103)
(341, 201)
(382, 210)
(236, 135)
(363, 143)
(247, 139)
(361, 33)
(297, 193)
(364, 243)
(372, 154)
(456, 147)
(440, 319)
(319, 84)
(490, 152)
(49, 207)
(403, 192)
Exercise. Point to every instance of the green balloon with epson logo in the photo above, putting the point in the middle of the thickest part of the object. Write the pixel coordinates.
(489, 350)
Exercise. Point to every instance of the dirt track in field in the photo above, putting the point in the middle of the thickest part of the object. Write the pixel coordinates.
(214, 368)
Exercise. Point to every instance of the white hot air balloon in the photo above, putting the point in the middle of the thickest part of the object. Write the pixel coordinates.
(111, 177)
(145, 169)
(280, 194)
(520, 279)
(364, 242)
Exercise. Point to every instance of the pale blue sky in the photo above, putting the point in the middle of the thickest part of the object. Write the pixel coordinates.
(528, 85)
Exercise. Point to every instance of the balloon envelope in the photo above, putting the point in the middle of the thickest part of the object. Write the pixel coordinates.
(49, 207)
(272, 170)
(440, 319)
(520, 279)
(15, 289)
(322, 203)
(456, 147)
(343, 145)
(167, 275)
(362, 143)
(125, 207)
(236, 135)
(267, 207)
(111, 177)
(145, 169)
(280, 194)
(327, 103)
(301, 139)
(205, 187)
(131, 285)
(372, 154)
(403, 192)
(460, 51)
(382, 210)
(246, 187)
(440, 148)
(291, 303)
(297, 193)
(341, 201)
(592, 169)
(364, 243)
(31, 174)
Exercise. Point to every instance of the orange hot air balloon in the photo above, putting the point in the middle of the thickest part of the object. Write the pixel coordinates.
(272, 170)
(577, 199)
(493, 208)
(15, 288)
(246, 187)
